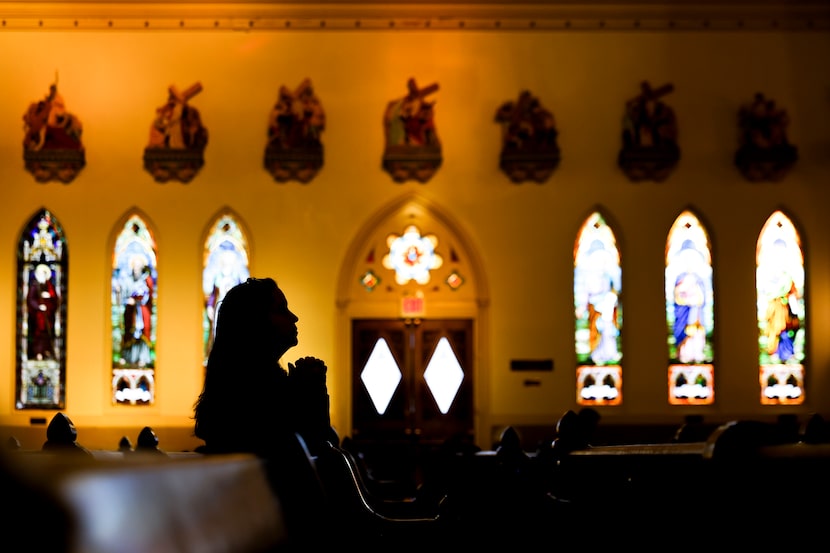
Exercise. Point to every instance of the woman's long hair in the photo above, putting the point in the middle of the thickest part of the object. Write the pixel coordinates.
(243, 377)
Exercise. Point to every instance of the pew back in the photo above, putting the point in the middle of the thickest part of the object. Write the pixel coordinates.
(136, 504)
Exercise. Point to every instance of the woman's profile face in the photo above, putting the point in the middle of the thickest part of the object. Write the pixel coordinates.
(283, 323)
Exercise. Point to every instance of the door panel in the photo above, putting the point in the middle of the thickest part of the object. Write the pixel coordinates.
(435, 426)
(413, 414)
(367, 422)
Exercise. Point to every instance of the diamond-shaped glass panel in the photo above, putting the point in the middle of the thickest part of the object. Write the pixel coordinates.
(370, 280)
(381, 375)
(444, 375)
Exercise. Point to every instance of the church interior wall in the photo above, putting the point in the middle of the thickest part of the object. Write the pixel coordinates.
(114, 80)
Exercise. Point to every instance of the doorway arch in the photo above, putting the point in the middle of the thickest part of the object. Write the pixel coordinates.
(368, 290)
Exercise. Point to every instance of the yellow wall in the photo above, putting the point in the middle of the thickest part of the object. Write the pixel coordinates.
(113, 80)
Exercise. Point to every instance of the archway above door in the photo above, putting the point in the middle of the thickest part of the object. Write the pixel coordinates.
(410, 261)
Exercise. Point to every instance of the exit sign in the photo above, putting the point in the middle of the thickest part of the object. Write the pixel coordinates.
(412, 306)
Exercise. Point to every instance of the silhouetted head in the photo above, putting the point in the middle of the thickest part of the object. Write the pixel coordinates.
(254, 321)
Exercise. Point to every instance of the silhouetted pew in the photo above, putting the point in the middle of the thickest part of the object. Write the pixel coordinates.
(62, 439)
(143, 499)
(217, 504)
(360, 519)
(748, 483)
(758, 483)
(378, 485)
(494, 496)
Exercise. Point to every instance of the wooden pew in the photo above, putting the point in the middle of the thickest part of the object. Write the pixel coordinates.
(136, 500)
(369, 522)
(221, 504)
(758, 486)
(142, 499)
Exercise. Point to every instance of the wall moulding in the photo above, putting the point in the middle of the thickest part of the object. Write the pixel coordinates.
(480, 15)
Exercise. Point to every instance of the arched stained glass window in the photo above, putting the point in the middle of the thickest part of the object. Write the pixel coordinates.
(412, 256)
(133, 312)
(780, 286)
(598, 312)
(42, 284)
(225, 263)
(689, 312)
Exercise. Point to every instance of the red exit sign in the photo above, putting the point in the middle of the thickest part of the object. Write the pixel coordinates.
(412, 306)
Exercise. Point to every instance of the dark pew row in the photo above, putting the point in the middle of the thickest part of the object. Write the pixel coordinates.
(62, 438)
(745, 483)
(148, 500)
(68, 502)
(688, 428)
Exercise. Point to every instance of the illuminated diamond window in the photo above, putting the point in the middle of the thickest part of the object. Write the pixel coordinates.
(443, 375)
(381, 376)
(369, 280)
(455, 280)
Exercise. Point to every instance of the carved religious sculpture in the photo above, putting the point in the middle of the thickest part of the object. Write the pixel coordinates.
(650, 150)
(177, 138)
(765, 153)
(52, 147)
(529, 150)
(296, 122)
(413, 150)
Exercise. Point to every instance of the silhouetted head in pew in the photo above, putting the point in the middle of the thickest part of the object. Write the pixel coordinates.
(575, 430)
(249, 402)
(61, 435)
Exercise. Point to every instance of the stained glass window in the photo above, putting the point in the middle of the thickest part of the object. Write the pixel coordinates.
(133, 313)
(689, 312)
(370, 280)
(454, 280)
(412, 256)
(413, 260)
(42, 283)
(780, 286)
(225, 260)
(598, 313)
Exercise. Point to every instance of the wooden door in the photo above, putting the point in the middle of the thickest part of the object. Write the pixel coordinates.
(412, 381)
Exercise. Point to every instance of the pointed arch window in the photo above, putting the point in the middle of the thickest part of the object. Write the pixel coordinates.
(42, 284)
(598, 313)
(133, 312)
(689, 312)
(780, 286)
(413, 259)
(412, 256)
(225, 263)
